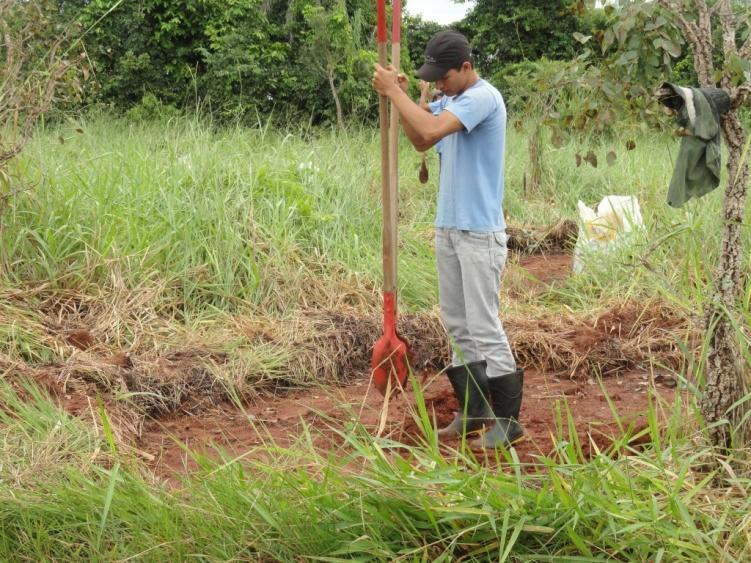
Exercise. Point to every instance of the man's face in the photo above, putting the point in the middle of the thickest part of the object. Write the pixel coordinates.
(454, 81)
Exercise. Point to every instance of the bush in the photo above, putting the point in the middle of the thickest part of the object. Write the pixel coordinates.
(151, 108)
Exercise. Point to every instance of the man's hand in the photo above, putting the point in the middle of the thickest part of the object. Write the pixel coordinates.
(386, 80)
(424, 87)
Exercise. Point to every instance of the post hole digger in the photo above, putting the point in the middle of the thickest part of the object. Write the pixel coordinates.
(390, 353)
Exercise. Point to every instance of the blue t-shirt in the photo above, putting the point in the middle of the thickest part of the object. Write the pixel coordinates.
(470, 193)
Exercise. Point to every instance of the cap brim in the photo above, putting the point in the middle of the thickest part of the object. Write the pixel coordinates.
(431, 72)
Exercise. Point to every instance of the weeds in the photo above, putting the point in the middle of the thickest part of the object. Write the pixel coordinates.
(159, 261)
(384, 500)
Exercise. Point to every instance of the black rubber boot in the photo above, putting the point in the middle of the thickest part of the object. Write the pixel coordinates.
(506, 394)
(470, 385)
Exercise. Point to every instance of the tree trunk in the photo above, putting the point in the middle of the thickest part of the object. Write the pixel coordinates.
(335, 93)
(724, 372)
(724, 383)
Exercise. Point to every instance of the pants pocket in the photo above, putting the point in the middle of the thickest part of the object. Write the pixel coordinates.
(500, 238)
(499, 252)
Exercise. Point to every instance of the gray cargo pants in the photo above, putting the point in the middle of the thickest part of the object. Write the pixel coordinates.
(470, 264)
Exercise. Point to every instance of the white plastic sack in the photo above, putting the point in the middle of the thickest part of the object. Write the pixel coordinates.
(603, 229)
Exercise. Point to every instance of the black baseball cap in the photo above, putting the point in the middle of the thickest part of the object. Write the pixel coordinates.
(444, 51)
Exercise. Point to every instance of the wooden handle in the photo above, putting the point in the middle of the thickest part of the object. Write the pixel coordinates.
(396, 22)
(383, 119)
(390, 219)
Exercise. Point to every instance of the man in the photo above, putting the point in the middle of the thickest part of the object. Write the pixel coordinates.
(470, 232)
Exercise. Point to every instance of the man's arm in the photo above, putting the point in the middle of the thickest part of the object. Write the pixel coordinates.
(423, 129)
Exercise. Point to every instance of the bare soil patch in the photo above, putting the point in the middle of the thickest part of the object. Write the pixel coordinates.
(281, 420)
(530, 275)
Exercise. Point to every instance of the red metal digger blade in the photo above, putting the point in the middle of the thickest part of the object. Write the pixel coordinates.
(390, 361)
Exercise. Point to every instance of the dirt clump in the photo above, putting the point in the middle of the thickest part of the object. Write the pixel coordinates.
(81, 339)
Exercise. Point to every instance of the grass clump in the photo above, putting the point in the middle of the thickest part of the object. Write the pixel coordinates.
(370, 498)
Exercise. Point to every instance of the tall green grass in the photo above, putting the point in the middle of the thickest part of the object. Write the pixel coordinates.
(253, 217)
(372, 499)
(242, 214)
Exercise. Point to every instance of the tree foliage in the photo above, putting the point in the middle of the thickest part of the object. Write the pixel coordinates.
(417, 34)
(42, 64)
(256, 58)
(503, 32)
(232, 57)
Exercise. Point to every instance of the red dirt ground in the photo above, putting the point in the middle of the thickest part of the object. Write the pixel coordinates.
(281, 418)
(546, 268)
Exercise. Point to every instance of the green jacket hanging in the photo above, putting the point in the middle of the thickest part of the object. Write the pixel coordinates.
(697, 168)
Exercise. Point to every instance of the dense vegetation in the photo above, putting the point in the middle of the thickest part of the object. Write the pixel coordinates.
(251, 58)
(187, 204)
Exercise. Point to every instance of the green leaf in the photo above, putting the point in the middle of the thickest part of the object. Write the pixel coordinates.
(578, 541)
(620, 33)
(581, 38)
(658, 23)
(673, 48)
(114, 474)
(106, 426)
(737, 69)
(627, 58)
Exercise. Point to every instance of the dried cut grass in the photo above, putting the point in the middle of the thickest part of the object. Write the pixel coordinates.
(560, 237)
(157, 383)
(553, 239)
(335, 346)
(625, 336)
(126, 348)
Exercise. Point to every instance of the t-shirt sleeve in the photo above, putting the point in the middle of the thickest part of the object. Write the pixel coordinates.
(435, 107)
(472, 107)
